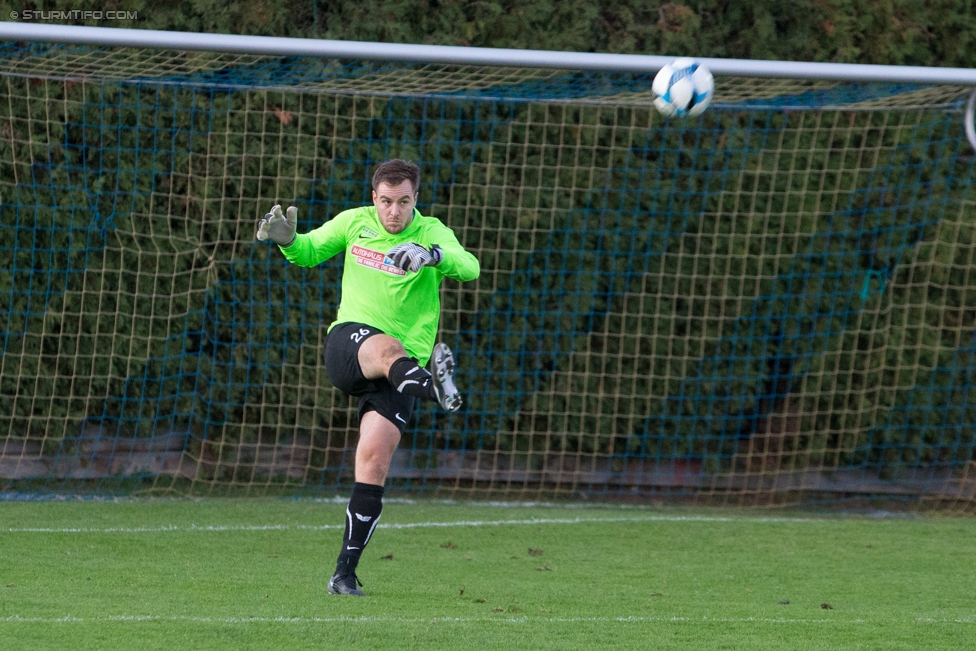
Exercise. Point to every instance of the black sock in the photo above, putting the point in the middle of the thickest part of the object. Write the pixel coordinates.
(410, 379)
(362, 514)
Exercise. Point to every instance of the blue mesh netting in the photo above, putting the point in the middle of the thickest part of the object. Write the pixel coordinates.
(759, 303)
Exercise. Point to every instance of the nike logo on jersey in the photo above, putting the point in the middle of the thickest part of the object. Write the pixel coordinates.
(364, 518)
(368, 232)
(397, 416)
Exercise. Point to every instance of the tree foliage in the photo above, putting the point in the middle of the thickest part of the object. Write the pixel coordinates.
(896, 32)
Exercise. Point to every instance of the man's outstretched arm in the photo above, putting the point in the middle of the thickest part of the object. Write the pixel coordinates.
(306, 250)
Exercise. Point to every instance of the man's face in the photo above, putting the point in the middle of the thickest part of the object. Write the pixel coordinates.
(395, 204)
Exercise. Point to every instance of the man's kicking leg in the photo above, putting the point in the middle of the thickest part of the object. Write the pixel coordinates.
(384, 356)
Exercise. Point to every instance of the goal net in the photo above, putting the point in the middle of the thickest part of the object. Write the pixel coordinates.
(772, 303)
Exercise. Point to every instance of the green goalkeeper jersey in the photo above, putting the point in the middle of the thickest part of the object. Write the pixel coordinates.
(403, 304)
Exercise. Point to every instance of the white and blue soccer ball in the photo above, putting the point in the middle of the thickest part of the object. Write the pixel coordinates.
(683, 88)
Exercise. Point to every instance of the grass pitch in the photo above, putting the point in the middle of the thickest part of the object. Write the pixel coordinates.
(252, 574)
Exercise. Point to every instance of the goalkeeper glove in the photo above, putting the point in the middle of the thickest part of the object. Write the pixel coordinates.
(278, 228)
(413, 257)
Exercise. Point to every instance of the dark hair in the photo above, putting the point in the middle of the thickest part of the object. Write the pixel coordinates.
(395, 172)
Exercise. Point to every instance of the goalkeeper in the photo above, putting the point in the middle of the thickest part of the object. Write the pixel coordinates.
(383, 335)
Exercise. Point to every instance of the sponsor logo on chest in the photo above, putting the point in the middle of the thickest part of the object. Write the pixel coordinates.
(375, 260)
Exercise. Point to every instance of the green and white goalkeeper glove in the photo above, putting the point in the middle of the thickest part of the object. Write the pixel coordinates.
(414, 257)
(278, 228)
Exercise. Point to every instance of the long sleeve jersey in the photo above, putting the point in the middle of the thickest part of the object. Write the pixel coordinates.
(403, 304)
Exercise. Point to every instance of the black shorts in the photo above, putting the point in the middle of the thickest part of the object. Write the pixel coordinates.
(342, 366)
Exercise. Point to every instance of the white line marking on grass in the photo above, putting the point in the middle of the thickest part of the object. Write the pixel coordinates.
(170, 527)
(69, 619)
(408, 525)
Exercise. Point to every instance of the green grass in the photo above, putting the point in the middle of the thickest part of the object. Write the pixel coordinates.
(202, 575)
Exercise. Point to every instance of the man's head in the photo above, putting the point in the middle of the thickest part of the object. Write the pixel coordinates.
(395, 187)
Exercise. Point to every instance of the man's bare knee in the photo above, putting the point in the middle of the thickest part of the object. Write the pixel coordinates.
(377, 354)
(372, 458)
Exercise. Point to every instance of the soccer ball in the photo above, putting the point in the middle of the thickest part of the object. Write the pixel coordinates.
(683, 88)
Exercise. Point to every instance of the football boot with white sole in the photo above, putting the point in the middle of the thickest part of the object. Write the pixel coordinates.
(443, 365)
